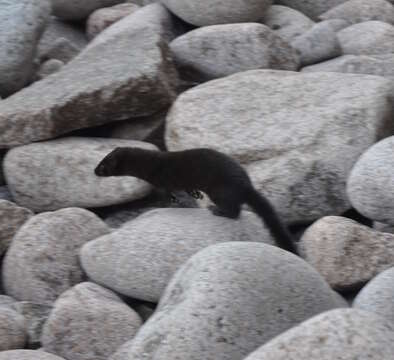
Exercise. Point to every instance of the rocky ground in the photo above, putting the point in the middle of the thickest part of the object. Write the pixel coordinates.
(299, 92)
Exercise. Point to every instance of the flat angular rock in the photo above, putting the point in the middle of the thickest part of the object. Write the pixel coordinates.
(280, 126)
(42, 261)
(317, 44)
(346, 253)
(377, 296)
(369, 37)
(370, 186)
(12, 330)
(78, 10)
(104, 83)
(310, 8)
(59, 173)
(357, 11)
(345, 334)
(12, 217)
(22, 23)
(227, 300)
(104, 17)
(214, 12)
(381, 65)
(287, 22)
(220, 50)
(27, 355)
(139, 259)
(89, 322)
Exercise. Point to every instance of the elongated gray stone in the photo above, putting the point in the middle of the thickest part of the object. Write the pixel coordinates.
(104, 83)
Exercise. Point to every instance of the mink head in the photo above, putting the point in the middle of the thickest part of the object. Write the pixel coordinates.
(124, 161)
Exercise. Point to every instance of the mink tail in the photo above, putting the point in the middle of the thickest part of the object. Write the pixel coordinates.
(266, 211)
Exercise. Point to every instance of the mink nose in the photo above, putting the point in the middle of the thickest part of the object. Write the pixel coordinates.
(100, 170)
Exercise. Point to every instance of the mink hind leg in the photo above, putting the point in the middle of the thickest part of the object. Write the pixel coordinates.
(227, 203)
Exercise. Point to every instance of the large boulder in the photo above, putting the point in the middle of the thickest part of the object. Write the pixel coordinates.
(42, 261)
(139, 259)
(293, 132)
(59, 173)
(345, 334)
(21, 25)
(104, 83)
(370, 185)
(227, 300)
(213, 12)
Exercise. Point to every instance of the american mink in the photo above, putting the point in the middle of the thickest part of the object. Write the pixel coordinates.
(225, 182)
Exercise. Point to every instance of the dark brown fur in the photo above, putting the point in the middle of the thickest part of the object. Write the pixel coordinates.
(225, 181)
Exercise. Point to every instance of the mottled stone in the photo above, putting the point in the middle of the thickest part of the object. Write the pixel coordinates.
(12, 217)
(368, 37)
(227, 300)
(106, 82)
(21, 25)
(345, 334)
(287, 22)
(89, 322)
(104, 17)
(357, 11)
(220, 50)
(42, 260)
(383, 227)
(294, 133)
(27, 355)
(59, 173)
(346, 253)
(370, 185)
(139, 259)
(62, 49)
(12, 330)
(317, 44)
(214, 12)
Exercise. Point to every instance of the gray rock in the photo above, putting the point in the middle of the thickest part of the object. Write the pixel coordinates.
(96, 86)
(382, 65)
(104, 17)
(12, 217)
(317, 44)
(227, 300)
(346, 253)
(57, 29)
(12, 330)
(220, 50)
(35, 316)
(267, 120)
(345, 334)
(59, 173)
(27, 355)
(377, 296)
(49, 67)
(214, 12)
(42, 261)
(370, 186)
(369, 37)
(287, 22)
(383, 227)
(78, 10)
(89, 322)
(62, 49)
(357, 11)
(22, 23)
(7, 301)
(310, 8)
(139, 259)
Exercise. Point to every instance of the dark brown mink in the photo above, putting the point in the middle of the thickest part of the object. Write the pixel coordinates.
(219, 176)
